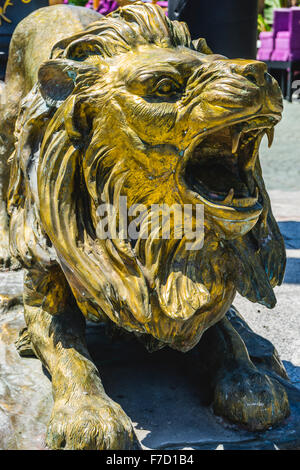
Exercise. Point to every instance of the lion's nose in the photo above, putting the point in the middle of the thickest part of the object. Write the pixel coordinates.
(254, 71)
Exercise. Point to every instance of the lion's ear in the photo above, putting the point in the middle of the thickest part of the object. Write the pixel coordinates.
(201, 46)
(57, 78)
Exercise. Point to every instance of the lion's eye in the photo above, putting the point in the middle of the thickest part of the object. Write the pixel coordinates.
(166, 87)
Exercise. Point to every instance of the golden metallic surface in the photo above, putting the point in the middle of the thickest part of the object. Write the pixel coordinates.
(131, 106)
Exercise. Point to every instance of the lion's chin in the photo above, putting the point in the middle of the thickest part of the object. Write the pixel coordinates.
(185, 335)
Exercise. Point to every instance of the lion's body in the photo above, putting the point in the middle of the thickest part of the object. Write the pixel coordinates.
(129, 107)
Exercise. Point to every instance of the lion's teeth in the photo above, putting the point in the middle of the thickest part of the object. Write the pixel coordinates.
(270, 134)
(229, 197)
(235, 136)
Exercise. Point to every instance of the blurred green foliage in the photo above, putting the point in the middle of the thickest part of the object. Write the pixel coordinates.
(269, 7)
(262, 24)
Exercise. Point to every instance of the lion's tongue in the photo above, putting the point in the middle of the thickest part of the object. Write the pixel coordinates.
(180, 297)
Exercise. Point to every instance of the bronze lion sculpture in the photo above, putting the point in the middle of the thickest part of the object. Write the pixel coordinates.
(131, 106)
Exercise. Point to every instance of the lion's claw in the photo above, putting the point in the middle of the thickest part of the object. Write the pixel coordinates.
(90, 423)
(248, 397)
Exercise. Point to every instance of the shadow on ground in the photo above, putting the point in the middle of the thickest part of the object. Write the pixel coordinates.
(163, 394)
(291, 234)
(293, 373)
(292, 272)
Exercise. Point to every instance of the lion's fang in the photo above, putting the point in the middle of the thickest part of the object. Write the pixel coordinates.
(270, 134)
(235, 135)
(229, 197)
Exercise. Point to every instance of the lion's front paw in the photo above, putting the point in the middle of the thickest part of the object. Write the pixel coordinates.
(90, 423)
(247, 396)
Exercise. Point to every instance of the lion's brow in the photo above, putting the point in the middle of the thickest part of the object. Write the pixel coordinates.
(150, 71)
(176, 66)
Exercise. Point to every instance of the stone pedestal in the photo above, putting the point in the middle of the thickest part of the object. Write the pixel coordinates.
(164, 401)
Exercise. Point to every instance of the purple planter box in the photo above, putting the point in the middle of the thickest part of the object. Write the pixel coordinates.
(281, 20)
(266, 45)
(267, 38)
(287, 43)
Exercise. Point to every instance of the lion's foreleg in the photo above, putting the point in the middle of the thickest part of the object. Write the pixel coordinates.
(83, 417)
(241, 393)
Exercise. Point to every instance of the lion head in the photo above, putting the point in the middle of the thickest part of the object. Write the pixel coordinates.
(132, 106)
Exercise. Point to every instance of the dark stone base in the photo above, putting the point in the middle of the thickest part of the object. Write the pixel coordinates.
(167, 403)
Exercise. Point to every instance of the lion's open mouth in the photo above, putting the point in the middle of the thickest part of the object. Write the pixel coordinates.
(220, 168)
